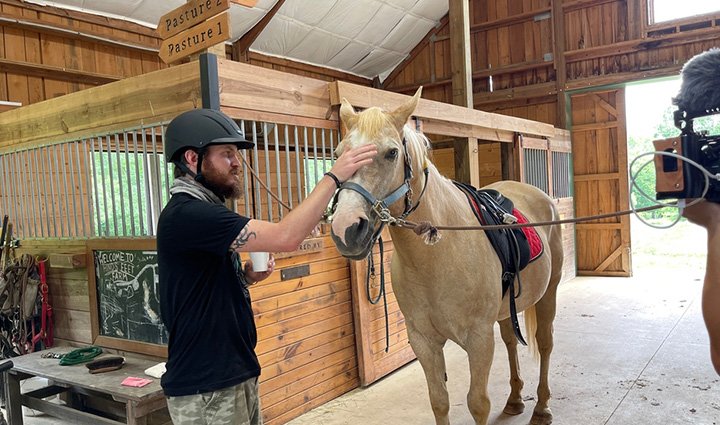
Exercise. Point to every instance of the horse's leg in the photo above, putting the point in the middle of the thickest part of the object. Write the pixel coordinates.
(480, 346)
(428, 348)
(545, 311)
(515, 404)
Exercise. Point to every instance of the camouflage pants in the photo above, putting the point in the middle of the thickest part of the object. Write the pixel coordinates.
(238, 405)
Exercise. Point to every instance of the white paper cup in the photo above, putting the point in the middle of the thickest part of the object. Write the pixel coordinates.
(260, 261)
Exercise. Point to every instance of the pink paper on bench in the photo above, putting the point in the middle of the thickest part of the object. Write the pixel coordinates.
(132, 381)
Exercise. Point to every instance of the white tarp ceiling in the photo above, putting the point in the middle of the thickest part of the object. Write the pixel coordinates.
(364, 37)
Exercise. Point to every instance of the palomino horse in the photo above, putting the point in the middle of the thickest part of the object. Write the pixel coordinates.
(449, 290)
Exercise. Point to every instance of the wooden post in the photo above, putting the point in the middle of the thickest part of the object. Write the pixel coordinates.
(636, 21)
(558, 24)
(466, 150)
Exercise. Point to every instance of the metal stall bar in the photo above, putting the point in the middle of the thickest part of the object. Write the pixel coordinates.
(122, 188)
(71, 166)
(130, 185)
(62, 148)
(277, 172)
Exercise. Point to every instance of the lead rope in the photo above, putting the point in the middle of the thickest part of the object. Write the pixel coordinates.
(382, 293)
(259, 180)
(426, 227)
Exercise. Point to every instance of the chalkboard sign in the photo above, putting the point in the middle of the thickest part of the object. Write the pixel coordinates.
(124, 299)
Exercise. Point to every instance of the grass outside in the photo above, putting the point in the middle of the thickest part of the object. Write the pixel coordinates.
(682, 247)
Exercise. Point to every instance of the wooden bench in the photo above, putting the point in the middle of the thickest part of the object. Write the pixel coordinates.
(76, 380)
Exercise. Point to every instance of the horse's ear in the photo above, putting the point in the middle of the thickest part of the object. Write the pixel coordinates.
(401, 114)
(347, 114)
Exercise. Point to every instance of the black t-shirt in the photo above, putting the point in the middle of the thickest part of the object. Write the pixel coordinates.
(203, 301)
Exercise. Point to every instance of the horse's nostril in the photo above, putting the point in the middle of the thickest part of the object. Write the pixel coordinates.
(362, 225)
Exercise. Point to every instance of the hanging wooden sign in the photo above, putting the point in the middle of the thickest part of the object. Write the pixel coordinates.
(195, 39)
(189, 15)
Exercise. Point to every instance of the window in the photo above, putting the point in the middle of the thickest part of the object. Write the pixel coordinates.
(315, 168)
(129, 192)
(130, 182)
(669, 10)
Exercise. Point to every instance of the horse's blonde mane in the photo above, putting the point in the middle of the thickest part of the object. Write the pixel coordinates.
(418, 144)
(372, 122)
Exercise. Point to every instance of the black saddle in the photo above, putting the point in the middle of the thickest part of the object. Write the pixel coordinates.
(511, 245)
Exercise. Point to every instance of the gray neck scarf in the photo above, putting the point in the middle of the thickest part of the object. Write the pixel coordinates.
(187, 184)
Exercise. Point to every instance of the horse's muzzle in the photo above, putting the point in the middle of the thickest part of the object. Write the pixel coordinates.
(359, 238)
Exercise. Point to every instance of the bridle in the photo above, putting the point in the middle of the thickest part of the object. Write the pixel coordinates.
(381, 207)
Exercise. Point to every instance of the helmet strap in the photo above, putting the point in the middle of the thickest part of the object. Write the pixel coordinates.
(184, 168)
(199, 177)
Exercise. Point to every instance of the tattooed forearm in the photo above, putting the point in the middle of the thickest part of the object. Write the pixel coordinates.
(242, 239)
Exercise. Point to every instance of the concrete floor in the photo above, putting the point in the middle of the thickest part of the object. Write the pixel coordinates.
(627, 351)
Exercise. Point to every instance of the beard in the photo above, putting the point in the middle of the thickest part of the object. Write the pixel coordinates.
(224, 185)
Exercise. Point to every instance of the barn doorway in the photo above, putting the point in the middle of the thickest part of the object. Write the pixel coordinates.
(681, 248)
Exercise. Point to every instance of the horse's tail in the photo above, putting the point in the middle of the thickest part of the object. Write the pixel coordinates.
(530, 317)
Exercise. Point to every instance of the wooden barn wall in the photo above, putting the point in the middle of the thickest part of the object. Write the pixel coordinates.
(48, 52)
(489, 161)
(599, 43)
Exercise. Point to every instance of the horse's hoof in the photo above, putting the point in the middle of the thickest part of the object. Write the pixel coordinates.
(514, 407)
(541, 418)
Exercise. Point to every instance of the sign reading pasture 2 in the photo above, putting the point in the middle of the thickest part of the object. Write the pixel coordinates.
(190, 29)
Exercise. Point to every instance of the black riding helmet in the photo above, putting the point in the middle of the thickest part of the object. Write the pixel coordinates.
(197, 129)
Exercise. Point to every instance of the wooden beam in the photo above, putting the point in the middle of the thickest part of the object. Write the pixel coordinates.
(569, 6)
(366, 97)
(612, 257)
(510, 20)
(453, 129)
(642, 45)
(54, 72)
(268, 90)
(622, 77)
(536, 90)
(242, 45)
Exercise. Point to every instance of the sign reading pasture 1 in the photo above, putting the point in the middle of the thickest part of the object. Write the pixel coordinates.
(195, 26)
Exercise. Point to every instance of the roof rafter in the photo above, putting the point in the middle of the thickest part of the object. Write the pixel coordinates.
(242, 45)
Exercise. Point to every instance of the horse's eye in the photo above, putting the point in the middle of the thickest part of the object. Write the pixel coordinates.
(392, 154)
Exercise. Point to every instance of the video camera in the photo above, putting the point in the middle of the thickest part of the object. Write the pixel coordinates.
(699, 96)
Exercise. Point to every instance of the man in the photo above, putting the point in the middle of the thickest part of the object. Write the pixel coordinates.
(212, 368)
(707, 215)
